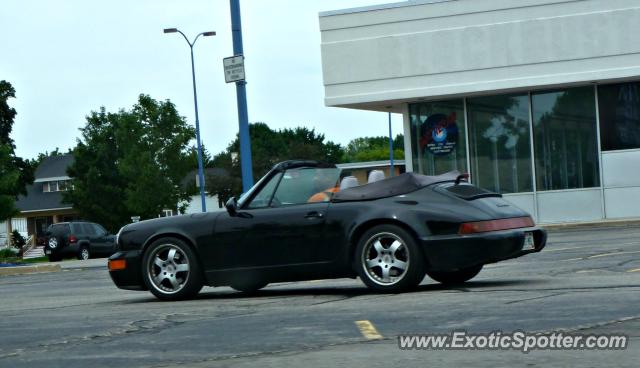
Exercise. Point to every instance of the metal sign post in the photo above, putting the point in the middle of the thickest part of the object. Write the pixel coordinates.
(241, 93)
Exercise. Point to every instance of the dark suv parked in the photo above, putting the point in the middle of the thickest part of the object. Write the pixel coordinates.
(78, 239)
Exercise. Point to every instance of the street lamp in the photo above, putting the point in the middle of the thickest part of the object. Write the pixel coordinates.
(195, 102)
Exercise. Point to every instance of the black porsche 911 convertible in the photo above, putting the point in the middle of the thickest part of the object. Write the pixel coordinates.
(305, 220)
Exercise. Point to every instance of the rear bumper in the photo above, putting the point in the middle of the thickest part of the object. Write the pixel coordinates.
(129, 278)
(67, 250)
(453, 252)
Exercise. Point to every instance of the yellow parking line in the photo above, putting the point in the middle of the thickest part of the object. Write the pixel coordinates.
(634, 270)
(368, 330)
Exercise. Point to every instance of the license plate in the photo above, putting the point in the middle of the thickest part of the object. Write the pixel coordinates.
(529, 242)
(47, 251)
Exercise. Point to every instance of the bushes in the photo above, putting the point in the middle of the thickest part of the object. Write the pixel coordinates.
(7, 253)
(18, 240)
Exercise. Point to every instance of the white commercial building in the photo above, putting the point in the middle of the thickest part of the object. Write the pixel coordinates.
(537, 99)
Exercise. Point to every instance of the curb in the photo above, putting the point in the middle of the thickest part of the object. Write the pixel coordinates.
(21, 270)
(590, 224)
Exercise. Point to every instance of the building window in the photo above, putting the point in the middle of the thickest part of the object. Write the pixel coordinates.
(438, 137)
(45, 187)
(564, 126)
(167, 213)
(53, 186)
(500, 143)
(619, 106)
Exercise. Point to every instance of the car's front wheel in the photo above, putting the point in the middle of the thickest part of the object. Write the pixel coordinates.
(388, 259)
(171, 270)
(455, 277)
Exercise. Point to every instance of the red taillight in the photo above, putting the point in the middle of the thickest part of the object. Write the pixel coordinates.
(495, 225)
(72, 239)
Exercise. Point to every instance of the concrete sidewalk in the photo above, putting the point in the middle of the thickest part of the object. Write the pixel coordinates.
(54, 266)
(90, 263)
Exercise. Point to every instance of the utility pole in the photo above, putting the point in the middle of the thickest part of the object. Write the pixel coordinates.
(241, 93)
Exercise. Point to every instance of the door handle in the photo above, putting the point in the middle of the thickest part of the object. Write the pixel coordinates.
(314, 214)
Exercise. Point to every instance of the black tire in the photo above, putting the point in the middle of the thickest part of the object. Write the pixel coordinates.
(249, 287)
(84, 253)
(455, 277)
(159, 275)
(54, 258)
(390, 259)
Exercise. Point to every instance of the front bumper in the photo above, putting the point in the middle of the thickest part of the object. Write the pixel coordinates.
(454, 252)
(129, 278)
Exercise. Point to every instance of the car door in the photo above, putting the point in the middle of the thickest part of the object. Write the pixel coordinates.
(280, 225)
(102, 242)
(89, 233)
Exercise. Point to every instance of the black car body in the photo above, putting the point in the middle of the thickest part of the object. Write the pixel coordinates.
(390, 233)
(78, 239)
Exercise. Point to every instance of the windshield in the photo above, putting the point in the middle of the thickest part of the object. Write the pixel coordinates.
(249, 193)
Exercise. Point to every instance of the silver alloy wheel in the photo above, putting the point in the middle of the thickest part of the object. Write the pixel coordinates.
(385, 258)
(84, 254)
(168, 269)
(53, 242)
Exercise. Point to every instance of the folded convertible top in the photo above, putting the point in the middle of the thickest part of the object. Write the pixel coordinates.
(397, 185)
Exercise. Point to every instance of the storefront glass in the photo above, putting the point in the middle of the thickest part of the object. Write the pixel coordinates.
(500, 145)
(564, 126)
(619, 106)
(438, 137)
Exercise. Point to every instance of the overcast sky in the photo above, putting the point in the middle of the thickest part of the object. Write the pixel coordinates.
(67, 58)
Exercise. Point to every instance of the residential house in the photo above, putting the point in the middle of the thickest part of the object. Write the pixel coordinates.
(43, 205)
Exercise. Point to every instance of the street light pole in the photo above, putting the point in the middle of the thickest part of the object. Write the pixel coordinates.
(195, 102)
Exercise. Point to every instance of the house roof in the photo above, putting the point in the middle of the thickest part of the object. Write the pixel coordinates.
(191, 177)
(54, 168)
(50, 169)
(37, 200)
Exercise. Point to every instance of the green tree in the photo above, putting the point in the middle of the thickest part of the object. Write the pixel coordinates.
(131, 163)
(269, 147)
(373, 149)
(15, 173)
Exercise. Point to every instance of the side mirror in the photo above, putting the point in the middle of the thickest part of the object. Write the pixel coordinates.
(232, 206)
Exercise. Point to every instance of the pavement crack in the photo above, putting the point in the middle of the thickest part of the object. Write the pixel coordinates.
(280, 352)
(535, 298)
(143, 326)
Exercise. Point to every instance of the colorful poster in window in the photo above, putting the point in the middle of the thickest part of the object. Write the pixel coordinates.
(439, 134)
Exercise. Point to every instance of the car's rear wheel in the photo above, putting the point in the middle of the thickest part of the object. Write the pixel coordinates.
(84, 253)
(171, 270)
(388, 259)
(455, 277)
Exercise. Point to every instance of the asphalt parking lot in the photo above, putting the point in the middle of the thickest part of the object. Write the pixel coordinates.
(586, 280)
